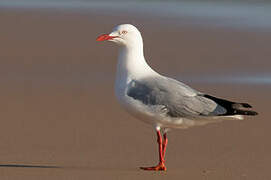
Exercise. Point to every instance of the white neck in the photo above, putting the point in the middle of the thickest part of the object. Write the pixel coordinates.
(132, 64)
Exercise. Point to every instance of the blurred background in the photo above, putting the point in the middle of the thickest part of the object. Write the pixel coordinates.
(60, 119)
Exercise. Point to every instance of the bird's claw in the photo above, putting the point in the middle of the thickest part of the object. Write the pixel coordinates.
(159, 167)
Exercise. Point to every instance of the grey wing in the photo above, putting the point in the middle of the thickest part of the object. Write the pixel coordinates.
(177, 98)
(182, 101)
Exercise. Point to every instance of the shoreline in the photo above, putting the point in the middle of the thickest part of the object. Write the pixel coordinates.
(240, 16)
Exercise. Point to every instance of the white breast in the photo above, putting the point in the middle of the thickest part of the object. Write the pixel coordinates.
(131, 66)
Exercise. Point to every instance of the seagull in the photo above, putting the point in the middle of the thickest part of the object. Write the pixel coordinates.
(160, 101)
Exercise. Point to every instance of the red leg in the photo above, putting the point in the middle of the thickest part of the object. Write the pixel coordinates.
(161, 166)
(164, 146)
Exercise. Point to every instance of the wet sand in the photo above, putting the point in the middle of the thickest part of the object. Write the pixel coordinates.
(60, 120)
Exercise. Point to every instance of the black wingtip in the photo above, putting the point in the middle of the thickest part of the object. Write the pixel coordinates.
(248, 113)
(233, 108)
(254, 113)
(246, 105)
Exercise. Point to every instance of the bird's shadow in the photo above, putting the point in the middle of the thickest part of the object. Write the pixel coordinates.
(82, 168)
(27, 166)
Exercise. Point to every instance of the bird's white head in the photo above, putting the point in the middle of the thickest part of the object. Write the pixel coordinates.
(124, 35)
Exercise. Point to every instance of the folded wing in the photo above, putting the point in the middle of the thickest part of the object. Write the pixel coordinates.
(182, 101)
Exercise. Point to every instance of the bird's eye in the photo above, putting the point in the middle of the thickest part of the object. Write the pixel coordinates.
(123, 32)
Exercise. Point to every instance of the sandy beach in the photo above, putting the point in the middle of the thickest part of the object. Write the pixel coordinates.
(60, 119)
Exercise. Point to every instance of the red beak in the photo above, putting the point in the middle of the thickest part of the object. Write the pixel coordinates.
(105, 37)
